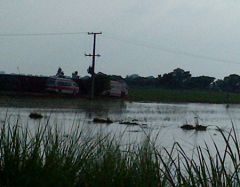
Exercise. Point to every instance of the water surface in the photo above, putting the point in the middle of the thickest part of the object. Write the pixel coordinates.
(160, 121)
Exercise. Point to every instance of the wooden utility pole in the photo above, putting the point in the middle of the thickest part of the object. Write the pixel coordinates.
(91, 69)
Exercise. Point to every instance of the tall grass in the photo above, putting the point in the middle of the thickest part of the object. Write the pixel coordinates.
(49, 157)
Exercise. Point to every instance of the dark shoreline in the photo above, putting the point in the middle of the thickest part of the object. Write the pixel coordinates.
(135, 95)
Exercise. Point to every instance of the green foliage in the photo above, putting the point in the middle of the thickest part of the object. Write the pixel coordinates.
(232, 83)
(176, 79)
(102, 83)
(136, 81)
(181, 79)
(49, 157)
(201, 82)
(172, 95)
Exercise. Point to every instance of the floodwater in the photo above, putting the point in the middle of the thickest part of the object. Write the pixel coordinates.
(160, 121)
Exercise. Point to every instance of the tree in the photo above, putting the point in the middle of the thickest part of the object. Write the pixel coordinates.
(175, 79)
(232, 83)
(137, 81)
(201, 82)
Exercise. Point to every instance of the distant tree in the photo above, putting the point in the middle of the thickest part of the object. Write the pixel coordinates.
(137, 81)
(232, 83)
(218, 85)
(176, 79)
(201, 82)
(102, 83)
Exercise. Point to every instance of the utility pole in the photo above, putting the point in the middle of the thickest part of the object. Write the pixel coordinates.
(91, 69)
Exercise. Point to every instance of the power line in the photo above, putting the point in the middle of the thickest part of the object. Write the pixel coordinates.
(124, 40)
(41, 34)
(172, 51)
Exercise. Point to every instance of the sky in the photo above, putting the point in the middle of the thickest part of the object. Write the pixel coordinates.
(145, 37)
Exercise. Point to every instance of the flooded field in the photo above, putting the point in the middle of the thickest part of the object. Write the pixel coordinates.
(160, 121)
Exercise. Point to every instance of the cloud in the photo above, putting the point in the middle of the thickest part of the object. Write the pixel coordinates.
(204, 27)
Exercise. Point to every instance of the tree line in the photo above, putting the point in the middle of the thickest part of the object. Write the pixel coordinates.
(177, 79)
(181, 79)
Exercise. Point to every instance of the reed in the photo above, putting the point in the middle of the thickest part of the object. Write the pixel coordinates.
(50, 157)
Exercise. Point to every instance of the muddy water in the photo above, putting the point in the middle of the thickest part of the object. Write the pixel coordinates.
(160, 121)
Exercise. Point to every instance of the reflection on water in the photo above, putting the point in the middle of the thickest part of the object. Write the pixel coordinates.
(162, 120)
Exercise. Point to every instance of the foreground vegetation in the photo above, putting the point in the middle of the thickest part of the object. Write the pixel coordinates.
(49, 157)
(171, 95)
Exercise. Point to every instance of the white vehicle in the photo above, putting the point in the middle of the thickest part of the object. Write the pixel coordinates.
(62, 85)
(117, 89)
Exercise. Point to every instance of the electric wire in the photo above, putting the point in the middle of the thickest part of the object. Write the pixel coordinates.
(127, 41)
(41, 34)
(171, 51)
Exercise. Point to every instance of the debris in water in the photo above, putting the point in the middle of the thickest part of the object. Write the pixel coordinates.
(35, 115)
(200, 127)
(135, 120)
(187, 127)
(128, 123)
(196, 127)
(101, 120)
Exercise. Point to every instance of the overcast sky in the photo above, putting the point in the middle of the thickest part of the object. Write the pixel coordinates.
(148, 37)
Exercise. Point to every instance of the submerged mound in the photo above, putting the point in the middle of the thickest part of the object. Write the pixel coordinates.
(34, 115)
(101, 120)
(194, 127)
